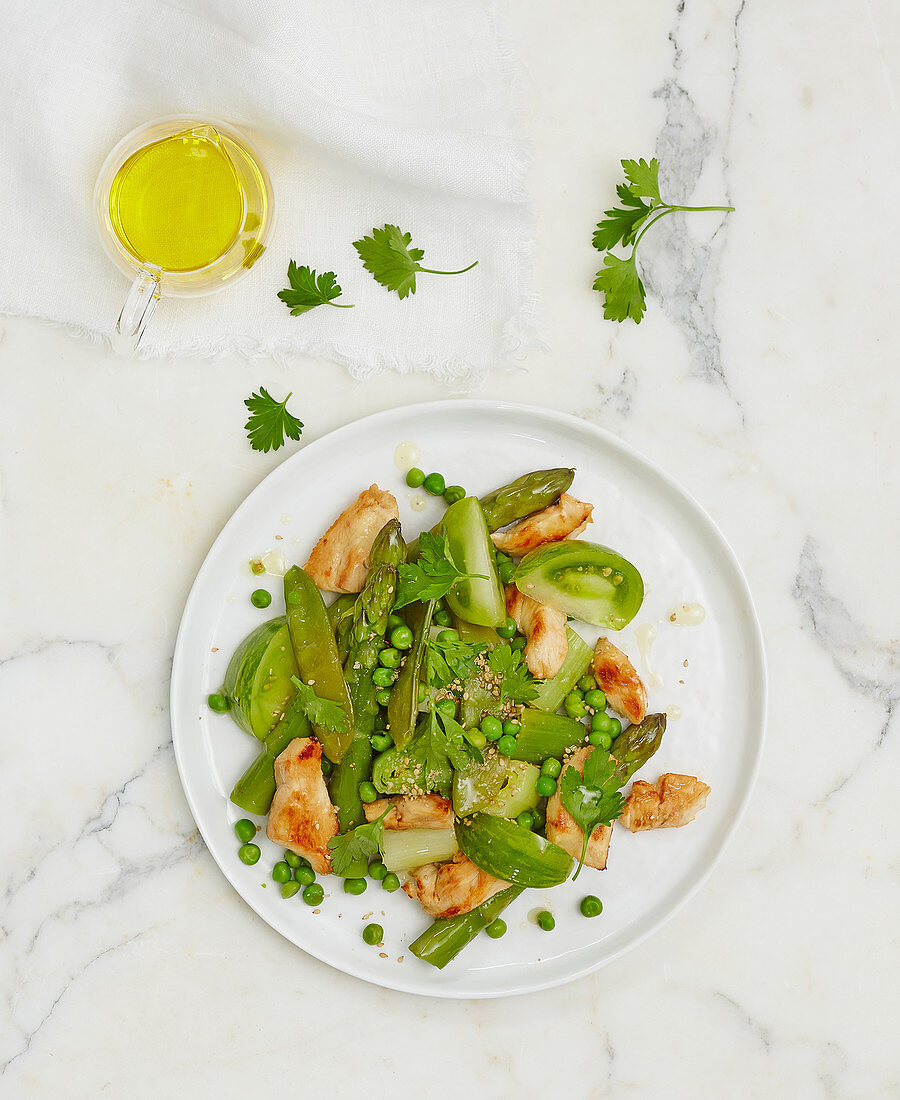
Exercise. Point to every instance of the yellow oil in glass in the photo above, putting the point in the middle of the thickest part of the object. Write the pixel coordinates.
(178, 204)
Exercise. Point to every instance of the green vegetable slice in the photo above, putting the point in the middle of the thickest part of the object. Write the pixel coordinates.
(258, 678)
(478, 598)
(511, 853)
(583, 579)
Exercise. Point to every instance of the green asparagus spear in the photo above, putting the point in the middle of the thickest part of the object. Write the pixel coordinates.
(403, 709)
(315, 652)
(255, 789)
(444, 940)
(636, 744)
(366, 636)
(527, 494)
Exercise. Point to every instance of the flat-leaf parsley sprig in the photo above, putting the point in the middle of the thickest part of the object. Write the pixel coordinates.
(389, 257)
(270, 421)
(308, 290)
(640, 208)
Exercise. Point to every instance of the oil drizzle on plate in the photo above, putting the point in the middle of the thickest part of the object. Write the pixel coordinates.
(687, 614)
(645, 636)
(406, 455)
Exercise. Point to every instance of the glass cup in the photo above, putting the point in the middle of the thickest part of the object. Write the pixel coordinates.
(184, 207)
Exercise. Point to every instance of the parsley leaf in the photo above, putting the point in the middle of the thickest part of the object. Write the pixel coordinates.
(623, 291)
(357, 845)
(438, 748)
(618, 280)
(516, 682)
(431, 577)
(643, 178)
(309, 290)
(319, 711)
(450, 659)
(592, 799)
(389, 257)
(269, 422)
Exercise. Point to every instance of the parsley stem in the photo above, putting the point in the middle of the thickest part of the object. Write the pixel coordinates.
(341, 305)
(669, 209)
(431, 271)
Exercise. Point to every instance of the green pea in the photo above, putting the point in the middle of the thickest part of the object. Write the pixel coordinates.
(591, 906)
(292, 859)
(600, 739)
(442, 617)
(314, 893)
(381, 742)
(508, 630)
(401, 637)
(447, 637)
(447, 707)
(507, 745)
(573, 704)
(281, 872)
(367, 791)
(377, 870)
(390, 658)
(390, 882)
(394, 621)
(545, 920)
(614, 728)
(599, 721)
(507, 570)
(595, 699)
(244, 830)
(491, 727)
(249, 854)
(373, 934)
(496, 928)
(586, 683)
(414, 477)
(525, 819)
(355, 885)
(453, 493)
(434, 484)
(539, 818)
(288, 889)
(476, 738)
(551, 766)
(327, 767)
(512, 727)
(306, 876)
(383, 677)
(383, 696)
(218, 702)
(260, 597)
(518, 642)
(545, 786)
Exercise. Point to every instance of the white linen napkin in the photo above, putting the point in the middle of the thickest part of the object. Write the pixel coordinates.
(365, 112)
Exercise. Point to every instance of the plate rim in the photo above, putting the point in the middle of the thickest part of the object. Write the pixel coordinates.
(616, 443)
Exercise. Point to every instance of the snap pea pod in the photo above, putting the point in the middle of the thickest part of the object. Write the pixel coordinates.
(340, 615)
(635, 745)
(541, 735)
(403, 708)
(255, 789)
(447, 936)
(511, 852)
(528, 493)
(366, 636)
(315, 652)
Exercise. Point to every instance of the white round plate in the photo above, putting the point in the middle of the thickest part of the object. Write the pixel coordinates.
(714, 672)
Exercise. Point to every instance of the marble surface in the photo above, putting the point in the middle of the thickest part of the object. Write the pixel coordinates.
(763, 377)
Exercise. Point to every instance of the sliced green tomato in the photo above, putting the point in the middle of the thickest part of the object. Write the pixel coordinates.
(258, 678)
(519, 790)
(477, 786)
(406, 849)
(512, 853)
(583, 579)
(550, 693)
(476, 635)
(479, 601)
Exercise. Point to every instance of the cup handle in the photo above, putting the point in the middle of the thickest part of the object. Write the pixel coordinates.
(137, 311)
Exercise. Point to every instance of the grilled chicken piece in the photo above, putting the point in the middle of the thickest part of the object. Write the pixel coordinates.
(616, 675)
(429, 811)
(674, 801)
(545, 630)
(448, 889)
(301, 816)
(561, 828)
(340, 559)
(563, 520)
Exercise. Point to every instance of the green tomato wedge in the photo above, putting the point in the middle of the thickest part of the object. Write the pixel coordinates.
(512, 853)
(258, 678)
(479, 599)
(583, 579)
